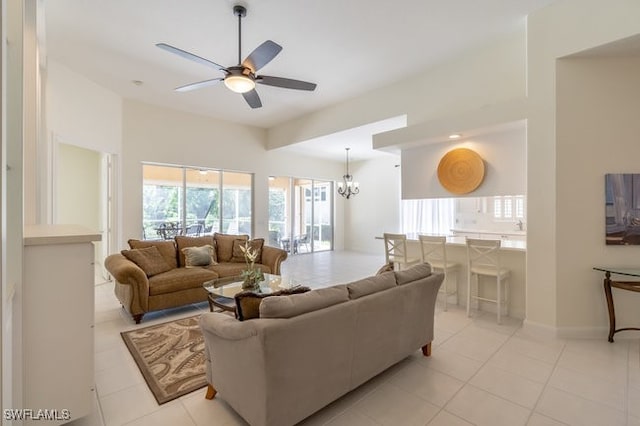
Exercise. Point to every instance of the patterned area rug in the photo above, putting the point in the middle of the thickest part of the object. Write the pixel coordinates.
(170, 357)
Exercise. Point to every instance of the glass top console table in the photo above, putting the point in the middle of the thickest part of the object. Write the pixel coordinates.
(631, 273)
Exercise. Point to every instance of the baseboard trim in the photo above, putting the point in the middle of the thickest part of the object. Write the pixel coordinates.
(538, 329)
(545, 330)
(583, 332)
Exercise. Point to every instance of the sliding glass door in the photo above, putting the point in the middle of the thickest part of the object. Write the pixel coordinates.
(300, 214)
(322, 216)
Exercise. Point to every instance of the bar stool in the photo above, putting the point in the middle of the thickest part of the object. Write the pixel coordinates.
(483, 258)
(395, 250)
(433, 250)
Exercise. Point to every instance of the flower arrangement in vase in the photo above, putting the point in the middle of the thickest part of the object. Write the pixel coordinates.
(252, 275)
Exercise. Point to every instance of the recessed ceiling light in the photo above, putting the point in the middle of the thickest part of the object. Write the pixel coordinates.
(455, 136)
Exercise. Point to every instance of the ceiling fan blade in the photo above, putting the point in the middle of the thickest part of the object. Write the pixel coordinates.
(252, 98)
(198, 85)
(262, 55)
(190, 56)
(287, 83)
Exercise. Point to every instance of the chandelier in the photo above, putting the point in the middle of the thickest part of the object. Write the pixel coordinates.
(348, 187)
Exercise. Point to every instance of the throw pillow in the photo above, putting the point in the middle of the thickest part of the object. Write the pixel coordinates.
(184, 241)
(255, 244)
(198, 256)
(248, 302)
(166, 248)
(224, 245)
(148, 259)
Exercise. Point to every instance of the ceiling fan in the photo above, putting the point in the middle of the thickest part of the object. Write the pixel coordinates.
(242, 78)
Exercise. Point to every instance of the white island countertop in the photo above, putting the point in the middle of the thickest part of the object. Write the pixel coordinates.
(505, 244)
(58, 234)
(490, 232)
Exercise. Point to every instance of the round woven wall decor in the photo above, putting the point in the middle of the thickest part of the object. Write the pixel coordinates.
(461, 171)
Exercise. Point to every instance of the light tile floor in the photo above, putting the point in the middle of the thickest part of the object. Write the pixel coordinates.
(480, 373)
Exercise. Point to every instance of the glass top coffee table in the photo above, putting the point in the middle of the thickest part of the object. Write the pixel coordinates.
(221, 291)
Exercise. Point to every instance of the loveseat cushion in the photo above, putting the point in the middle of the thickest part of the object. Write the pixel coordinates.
(179, 279)
(232, 269)
(371, 285)
(224, 245)
(148, 259)
(166, 248)
(298, 304)
(248, 302)
(416, 272)
(198, 256)
(256, 245)
(184, 241)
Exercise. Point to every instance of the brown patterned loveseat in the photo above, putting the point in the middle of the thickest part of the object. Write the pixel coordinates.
(155, 274)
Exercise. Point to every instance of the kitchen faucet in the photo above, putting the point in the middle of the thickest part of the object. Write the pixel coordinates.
(520, 225)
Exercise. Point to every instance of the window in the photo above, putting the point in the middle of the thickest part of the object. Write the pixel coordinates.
(428, 216)
(187, 201)
(508, 207)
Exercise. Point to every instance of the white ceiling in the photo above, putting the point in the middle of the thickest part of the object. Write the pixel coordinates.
(346, 47)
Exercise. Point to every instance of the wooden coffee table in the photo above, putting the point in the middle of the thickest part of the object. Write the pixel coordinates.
(221, 291)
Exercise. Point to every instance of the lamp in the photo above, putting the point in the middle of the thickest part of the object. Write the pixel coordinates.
(348, 187)
(239, 82)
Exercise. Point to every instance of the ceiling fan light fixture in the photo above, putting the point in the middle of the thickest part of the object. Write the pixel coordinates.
(239, 83)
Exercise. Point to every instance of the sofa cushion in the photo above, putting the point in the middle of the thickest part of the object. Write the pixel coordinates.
(233, 269)
(248, 302)
(166, 248)
(224, 245)
(148, 259)
(179, 279)
(198, 256)
(183, 241)
(256, 245)
(371, 285)
(416, 272)
(298, 304)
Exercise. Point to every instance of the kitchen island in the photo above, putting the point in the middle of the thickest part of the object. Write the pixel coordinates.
(512, 256)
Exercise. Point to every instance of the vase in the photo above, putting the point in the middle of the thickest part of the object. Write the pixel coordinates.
(249, 283)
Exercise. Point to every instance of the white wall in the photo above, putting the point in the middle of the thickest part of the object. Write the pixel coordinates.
(375, 210)
(82, 113)
(598, 101)
(155, 134)
(504, 156)
(558, 30)
(77, 187)
(485, 75)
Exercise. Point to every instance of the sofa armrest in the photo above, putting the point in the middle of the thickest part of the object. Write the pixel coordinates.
(273, 257)
(128, 273)
(226, 327)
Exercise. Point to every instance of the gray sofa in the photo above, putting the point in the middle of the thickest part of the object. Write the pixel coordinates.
(307, 350)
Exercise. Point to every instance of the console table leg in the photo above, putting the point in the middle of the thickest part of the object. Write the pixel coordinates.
(612, 312)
